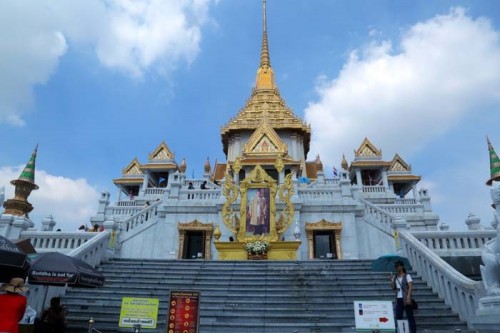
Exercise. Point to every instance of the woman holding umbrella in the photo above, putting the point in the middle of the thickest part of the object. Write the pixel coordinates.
(12, 305)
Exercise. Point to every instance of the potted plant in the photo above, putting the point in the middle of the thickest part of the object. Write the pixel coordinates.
(257, 250)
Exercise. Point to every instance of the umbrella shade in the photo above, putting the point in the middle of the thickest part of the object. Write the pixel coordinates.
(57, 269)
(386, 263)
(13, 261)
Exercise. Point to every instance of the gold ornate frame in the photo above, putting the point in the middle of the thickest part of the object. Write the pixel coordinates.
(322, 226)
(195, 225)
(258, 178)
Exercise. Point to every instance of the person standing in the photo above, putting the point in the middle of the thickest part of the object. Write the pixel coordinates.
(54, 318)
(12, 305)
(402, 285)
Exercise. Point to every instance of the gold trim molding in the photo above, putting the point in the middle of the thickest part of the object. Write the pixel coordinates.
(323, 225)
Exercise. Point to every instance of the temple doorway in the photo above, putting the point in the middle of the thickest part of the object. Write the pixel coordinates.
(194, 240)
(323, 240)
(324, 244)
(193, 245)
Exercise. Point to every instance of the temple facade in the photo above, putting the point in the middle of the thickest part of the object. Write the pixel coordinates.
(266, 191)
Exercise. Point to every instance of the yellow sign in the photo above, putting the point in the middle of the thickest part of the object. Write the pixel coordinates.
(143, 311)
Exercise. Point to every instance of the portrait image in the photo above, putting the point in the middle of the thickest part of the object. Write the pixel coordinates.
(258, 211)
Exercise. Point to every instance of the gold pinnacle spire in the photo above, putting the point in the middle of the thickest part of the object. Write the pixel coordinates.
(265, 75)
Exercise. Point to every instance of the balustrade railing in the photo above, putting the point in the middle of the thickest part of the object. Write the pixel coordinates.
(316, 193)
(382, 219)
(128, 203)
(374, 189)
(332, 181)
(197, 183)
(53, 241)
(141, 217)
(154, 191)
(210, 194)
(458, 291)
(402, 208)
(123, 211)
(405, 201)
(455, 240)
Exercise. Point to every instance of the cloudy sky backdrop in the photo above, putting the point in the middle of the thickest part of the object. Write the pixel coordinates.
(97, 83)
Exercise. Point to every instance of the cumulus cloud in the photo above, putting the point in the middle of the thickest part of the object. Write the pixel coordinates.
(402, 95)
(130, 36)
(70, 201)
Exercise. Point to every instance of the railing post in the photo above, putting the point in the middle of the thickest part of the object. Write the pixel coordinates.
(91, 325)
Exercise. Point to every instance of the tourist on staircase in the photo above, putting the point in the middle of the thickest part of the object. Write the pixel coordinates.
(402, 285)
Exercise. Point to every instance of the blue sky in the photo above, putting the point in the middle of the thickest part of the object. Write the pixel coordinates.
(97, 83)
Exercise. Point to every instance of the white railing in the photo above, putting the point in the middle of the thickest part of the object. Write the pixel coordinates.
(458, 291)
(455, 242)
(93, 252)
(143, 216)
(197, 183)
(154, 191)
(123, 211)
(374, 189)
(332, 181)
(53, 241)
(400, 209)
(316, 193)
(211, 194)
(382, 219)
(128, 203)
(404, 201)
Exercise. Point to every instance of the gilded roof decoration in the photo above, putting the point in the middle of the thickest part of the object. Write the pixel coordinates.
(494, 164)
(344, 164)
(134, 168)
(265, 140)
(367, 149)
(161, 153)
(265, 96)
(398, 164)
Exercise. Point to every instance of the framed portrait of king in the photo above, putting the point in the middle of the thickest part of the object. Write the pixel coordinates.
(257, 212)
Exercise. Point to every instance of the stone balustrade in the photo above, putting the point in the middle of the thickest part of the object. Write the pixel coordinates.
(317, 193)
(332, 181)
(143, 216)
(405, 201)
(154, 191)
(455, 243)
(210, 194)
(123, 211)
(197, 183)
(381, 219)
(374, 189)
(458, 291)
(401, 209)
(53, 241)
(128, 203)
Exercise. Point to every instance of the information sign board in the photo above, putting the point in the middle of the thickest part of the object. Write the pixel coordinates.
(374, 315)
(143, 311)
(183, 313)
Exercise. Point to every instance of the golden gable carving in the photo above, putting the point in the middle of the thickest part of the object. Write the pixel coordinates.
(265, 140)
(134, 168)
(161, 153)
(367, 149)
(398, 164)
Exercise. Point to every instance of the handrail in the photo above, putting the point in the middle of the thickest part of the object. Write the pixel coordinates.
(458, 291)
(141, 216)
(455, 240)
(384, 218)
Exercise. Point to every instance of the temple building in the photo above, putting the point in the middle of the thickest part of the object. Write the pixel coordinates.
(265, 190)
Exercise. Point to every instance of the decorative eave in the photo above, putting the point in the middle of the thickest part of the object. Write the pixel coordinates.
(161, 153)
(133, 168)
(219, 171)
(369, 163)
(128, 181)
(271, 160)
(403, 178)
(159, 166)
(264, 135)
(367, 150)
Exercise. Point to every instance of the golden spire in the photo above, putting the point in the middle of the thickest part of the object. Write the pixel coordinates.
(265, 75)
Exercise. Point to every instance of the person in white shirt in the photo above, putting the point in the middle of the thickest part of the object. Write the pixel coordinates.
(402, 285)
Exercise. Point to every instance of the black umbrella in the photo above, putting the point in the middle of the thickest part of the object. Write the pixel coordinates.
(57, 269)
(13, 261)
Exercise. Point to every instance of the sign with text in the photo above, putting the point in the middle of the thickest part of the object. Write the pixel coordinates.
(374, 315)
(183, 313)
(143, 311)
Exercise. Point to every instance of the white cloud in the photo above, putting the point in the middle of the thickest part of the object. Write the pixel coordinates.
(131, 36)
(71, 201)
(403, 95)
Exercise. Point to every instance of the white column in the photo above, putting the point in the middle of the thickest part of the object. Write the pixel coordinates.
(358, 177)
(385, 181)
(414, 189)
